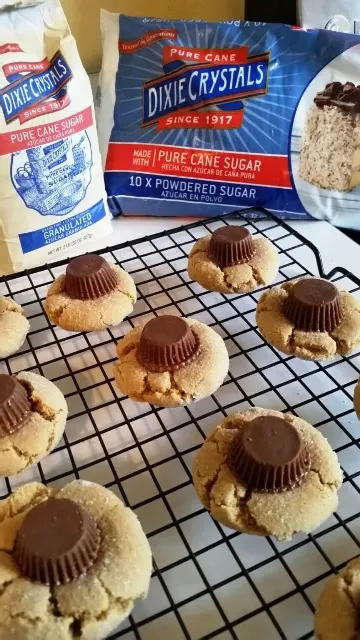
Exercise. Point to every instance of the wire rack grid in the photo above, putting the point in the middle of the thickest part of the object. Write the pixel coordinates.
(208, 581)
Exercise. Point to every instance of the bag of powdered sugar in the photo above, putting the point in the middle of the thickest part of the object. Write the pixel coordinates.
(52, 196)
(200, 118)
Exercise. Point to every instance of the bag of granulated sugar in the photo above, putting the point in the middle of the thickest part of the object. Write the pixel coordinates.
(52, 196)
(200, 118)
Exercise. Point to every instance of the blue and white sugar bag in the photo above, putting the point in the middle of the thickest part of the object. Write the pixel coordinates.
(199, 118)
(52, 195)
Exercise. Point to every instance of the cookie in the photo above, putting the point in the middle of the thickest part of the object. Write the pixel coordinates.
(33, 414)
(71, 566)
(337, 611)
(310, 318)
(92, 295)
(357, 399)
(171, 362)
(251, 484)
(231, 260)
(14, 327)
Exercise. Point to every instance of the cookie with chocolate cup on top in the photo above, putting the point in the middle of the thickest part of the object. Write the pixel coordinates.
(267, 473)
(170, 362)
(33, 414)
(231, 260)
(310, 318)
(14, 327)
(91, 296)
(72, 562)
(337, 615)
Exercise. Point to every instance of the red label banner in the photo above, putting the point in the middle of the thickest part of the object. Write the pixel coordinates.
(45, 133)
(242, 168)
(145, 41)
(202, 120)
(25, 67)
(211, 56)
(42, 109)
(10, 47)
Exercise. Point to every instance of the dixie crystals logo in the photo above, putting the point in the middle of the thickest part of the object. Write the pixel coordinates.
(198, 78)
(35, 88)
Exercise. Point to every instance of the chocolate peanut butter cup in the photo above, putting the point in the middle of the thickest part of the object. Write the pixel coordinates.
(344, 96)
(167, 343)
(314, 304)
(231, 245)
(269, 455)
(57, 542)
(89, 277)
(14, 405)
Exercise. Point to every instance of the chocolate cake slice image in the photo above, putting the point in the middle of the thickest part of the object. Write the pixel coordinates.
(330, 148)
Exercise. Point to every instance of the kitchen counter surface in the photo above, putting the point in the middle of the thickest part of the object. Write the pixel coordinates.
(336, 249)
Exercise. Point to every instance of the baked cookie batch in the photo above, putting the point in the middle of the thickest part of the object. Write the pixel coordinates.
(171, 362)
(74, 561)
(267, 473)
(231, 260)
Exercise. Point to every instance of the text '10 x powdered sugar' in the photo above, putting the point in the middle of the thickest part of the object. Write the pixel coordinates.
(199, 118)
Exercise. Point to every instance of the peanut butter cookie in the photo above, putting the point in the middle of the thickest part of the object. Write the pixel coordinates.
(310, 318)
(231, 260)
(72, 563)
(337, 612)
(33, 414)
(170, 362)
(93, 295)
(14, 327)
(267, 473)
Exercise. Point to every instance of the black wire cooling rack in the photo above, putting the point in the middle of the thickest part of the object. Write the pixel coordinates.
(208, 581)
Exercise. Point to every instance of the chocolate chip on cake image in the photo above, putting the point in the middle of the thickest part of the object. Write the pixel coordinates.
(330, 149)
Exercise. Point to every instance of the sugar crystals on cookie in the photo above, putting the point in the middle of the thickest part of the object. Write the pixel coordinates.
(231, 260)
(171, 361)
(310, 318)
(74, 561)
(91, 296)
(33, 414)
(337, 615)
(14, 327)
(267, 473)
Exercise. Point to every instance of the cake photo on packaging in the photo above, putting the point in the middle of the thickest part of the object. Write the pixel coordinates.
(52, 195)
(330, 150)
(201, 118)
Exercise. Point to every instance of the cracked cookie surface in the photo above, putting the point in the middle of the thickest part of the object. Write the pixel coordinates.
(42, 430)
(92, 606)
(282, 515)
(308, 345)
(240, 278)
(337, 611)
(14, 327)
(195, 381)
(91, 315)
